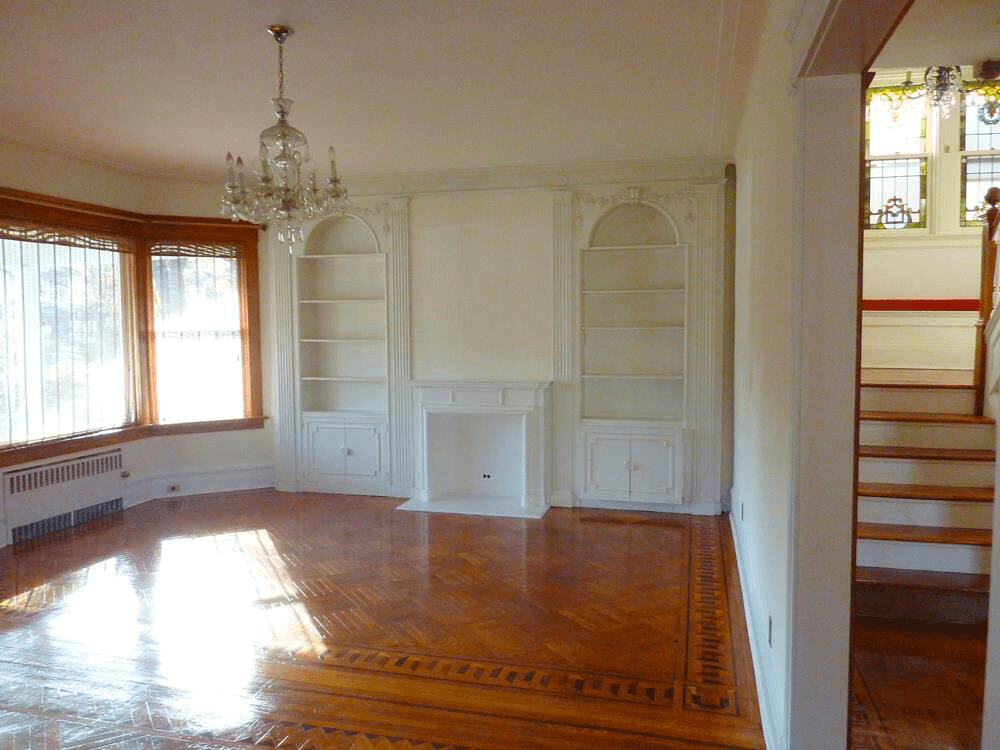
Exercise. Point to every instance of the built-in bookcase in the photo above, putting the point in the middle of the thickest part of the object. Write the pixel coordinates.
(633, 321)
(342, 320)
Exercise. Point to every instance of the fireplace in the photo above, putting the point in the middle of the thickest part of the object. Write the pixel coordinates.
(482, 448)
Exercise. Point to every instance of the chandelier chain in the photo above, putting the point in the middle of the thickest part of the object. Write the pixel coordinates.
(281, 70)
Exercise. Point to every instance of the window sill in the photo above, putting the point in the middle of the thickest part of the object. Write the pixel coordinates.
(22, 454)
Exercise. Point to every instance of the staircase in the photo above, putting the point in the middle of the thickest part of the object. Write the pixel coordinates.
(925, 498)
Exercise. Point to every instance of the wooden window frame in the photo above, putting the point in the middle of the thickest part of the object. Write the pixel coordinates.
(142, 230)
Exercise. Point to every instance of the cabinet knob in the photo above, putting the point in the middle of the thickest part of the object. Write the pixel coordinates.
(628, 465)
(344, 450)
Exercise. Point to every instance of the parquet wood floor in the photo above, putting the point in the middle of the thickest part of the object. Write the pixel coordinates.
(315, 621)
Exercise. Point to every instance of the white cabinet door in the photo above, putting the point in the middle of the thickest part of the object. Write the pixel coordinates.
(326, 445)
(654, 474)
(608, 467)
(363, 447)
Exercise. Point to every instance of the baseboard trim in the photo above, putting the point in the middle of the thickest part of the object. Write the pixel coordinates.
(560, 499)
(690, 508)
(767, 694)
(154, 486)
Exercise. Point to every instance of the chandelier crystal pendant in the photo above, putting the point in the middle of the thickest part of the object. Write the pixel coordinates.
(285, 194)
(944, 84)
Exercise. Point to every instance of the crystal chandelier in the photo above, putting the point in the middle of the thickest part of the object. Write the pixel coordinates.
(944, 84)
(285, 194)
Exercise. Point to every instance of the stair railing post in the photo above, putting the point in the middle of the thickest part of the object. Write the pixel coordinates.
(986, 290)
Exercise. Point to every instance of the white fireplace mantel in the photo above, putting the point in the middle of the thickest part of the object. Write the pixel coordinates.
(482, 447)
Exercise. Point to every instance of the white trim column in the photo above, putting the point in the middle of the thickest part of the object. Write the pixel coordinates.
(824, 334)
(283, 356)
(398, 355)
(564, 339)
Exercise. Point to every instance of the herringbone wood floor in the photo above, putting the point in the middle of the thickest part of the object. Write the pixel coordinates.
(315, 621)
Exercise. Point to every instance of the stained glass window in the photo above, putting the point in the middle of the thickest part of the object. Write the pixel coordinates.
(896, 167)
(980, 144)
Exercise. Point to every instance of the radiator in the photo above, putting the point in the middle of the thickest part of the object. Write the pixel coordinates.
(54, 496)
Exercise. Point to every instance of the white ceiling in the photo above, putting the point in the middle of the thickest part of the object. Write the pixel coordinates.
(395, 85)
(944, 32)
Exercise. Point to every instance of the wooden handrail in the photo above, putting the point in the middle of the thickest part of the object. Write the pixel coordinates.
(987, 283)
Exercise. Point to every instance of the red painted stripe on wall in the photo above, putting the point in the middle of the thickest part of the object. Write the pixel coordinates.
(963, 305)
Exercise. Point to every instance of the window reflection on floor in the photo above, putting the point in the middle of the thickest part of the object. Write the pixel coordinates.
(210, 601)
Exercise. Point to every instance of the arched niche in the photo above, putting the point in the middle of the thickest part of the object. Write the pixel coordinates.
(634, 225)
(342, 235)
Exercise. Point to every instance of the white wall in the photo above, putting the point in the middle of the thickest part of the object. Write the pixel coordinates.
(764, 365)
(194, 462)
(901, 268)
(796, 328)
(481, 285)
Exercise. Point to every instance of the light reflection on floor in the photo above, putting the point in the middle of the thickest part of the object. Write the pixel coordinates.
(214, 601)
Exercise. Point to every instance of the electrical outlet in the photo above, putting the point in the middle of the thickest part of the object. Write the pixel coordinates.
(770, 630)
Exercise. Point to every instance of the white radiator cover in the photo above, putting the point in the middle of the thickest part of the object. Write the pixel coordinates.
(58, 489)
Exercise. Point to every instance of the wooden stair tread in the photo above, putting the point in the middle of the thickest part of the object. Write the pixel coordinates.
(918, 416)
(926, 492)
(942, 454)
(924, 579)
(891, 532)
(920, 386)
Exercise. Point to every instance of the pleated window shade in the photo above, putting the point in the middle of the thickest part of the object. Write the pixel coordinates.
(66, 332)
(197, 331)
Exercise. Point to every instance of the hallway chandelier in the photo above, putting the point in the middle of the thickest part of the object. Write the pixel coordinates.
(285, 194)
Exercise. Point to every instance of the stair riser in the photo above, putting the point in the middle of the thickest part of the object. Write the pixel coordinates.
(925, 512)
(923, 435)
(951, 558)
(935, 400)
(923, 471)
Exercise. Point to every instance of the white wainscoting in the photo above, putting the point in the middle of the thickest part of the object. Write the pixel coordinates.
(918, 340)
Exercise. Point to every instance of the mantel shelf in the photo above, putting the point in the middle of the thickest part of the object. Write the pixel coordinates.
(355, 340)
(344, 379)
(633, 328)
(341, 255)
(671, 290)
(631, 376)
(341, 299)
(601, 248)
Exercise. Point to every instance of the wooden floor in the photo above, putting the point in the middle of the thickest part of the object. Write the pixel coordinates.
(917, 686)
(316, 621)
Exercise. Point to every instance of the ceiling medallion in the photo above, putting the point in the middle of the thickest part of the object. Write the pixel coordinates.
(285, 194)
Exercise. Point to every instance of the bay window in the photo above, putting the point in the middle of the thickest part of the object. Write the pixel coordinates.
(115, 325)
